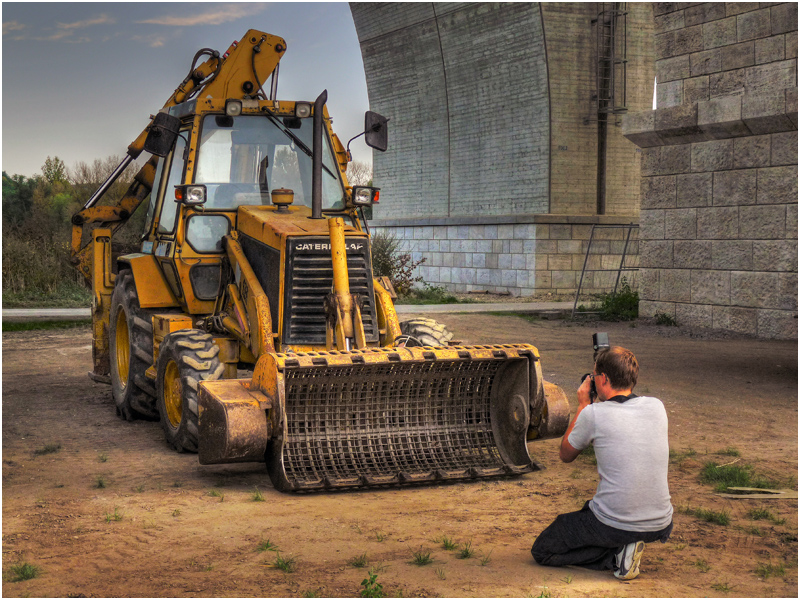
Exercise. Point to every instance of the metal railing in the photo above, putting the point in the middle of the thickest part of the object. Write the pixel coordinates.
(618, 270)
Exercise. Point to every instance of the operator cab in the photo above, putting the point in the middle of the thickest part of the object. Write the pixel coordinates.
(241, 157)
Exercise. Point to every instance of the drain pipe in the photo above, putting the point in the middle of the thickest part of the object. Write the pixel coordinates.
(316, 161)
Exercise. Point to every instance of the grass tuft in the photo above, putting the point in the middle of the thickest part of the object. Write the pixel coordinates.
(217, 494)
(115, 516)
(486, 558)
(23, 571)
(758, 514)
(752, 531)
(702, 565)
(100, 482)
(665, 319)
(422, 557)
(286, 564)
(729, 451)
(446, 542)
(48, 449)
(441, 574)
(721, 587)
(723, 477)
(466, 551)
(766, 570)
(257, 495)
(722, 517)
(266, 545)
(359, 561)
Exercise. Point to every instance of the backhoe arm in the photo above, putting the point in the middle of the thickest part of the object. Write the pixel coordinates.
(239, 73)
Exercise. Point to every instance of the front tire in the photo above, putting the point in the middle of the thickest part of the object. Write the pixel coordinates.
(131, 352)
(427, 331)
(185, 358)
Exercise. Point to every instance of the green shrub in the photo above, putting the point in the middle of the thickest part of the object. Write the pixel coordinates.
(622, 305)
(431, 294)
(665, 319)
(372, 589)
(388, 261)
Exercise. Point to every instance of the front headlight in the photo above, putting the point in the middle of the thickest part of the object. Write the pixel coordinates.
(190, 194)
(365, 196)
(302, 110)
(233, 108)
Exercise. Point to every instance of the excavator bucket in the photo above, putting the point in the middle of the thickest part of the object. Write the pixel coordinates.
(398, 415)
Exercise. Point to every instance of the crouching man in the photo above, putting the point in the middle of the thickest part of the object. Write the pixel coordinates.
(632, 503)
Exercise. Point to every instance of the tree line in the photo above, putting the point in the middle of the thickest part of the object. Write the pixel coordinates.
(37, 227)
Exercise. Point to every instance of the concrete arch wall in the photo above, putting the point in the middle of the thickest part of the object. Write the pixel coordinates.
(491, 173)
(465, 87)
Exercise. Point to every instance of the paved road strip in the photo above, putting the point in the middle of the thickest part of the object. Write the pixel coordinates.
(68, 314)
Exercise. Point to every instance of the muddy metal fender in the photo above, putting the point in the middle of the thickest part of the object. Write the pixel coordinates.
(233, 423)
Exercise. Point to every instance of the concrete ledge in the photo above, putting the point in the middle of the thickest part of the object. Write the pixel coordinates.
(506, 219)
(754, 113)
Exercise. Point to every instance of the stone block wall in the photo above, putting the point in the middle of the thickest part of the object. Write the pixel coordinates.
(494, 122)
(719, 168)
(523, 256)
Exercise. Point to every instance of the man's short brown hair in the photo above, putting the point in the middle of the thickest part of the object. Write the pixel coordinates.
(619, 365)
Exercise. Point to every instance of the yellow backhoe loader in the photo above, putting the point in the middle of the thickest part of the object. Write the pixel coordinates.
(256, 256)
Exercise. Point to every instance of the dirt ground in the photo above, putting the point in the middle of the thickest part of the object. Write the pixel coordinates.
(185, 530)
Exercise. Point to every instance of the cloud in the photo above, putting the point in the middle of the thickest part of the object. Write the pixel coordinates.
(101, 20)
(10, 26)
(221, 14)
(154, 41)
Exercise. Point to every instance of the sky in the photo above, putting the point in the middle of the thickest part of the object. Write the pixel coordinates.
(81, 79)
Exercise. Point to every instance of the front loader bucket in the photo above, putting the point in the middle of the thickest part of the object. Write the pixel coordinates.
(385, 416)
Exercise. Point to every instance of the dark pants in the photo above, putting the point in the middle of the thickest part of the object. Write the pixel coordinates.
(580, 539)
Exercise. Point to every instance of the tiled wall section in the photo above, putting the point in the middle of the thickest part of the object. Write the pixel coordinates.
(713, 49)
(719, 234)
(544, 255)
(719, 168)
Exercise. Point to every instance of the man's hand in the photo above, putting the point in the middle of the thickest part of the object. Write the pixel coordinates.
(584, 399)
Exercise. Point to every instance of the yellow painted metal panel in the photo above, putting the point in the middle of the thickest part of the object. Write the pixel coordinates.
(151, 286)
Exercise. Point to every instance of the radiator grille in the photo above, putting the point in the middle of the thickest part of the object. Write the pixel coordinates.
(308, 281)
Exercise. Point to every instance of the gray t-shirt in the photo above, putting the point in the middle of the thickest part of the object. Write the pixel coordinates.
(632, 449)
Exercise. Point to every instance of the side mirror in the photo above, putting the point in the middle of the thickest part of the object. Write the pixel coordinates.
(162, 135)
(376, 131)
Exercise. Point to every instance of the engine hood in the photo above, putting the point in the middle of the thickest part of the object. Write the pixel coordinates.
(267, 225)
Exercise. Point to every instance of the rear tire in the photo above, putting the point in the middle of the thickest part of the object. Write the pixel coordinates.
(185, 358)
(427, 331)
(131, 352)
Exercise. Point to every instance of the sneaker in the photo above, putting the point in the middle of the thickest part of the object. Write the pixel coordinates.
(628, 561)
